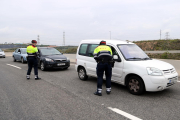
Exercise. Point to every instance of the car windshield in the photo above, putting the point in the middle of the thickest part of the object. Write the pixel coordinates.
(23, 51)
(132, 52)
(50, 51)
(0, 50)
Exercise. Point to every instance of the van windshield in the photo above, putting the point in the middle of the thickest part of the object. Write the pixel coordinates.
(133, 52)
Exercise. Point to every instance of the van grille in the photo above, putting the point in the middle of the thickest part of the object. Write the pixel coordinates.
(169, 71)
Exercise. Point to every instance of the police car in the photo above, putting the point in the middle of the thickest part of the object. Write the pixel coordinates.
(132, 68)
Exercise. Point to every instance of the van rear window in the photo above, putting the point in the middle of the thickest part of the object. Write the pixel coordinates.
(83, 49)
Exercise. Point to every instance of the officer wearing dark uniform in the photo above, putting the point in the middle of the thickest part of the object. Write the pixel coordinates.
(32, 52)
(103, 57)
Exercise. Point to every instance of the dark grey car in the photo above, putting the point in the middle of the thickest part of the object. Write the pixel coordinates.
(51, 58)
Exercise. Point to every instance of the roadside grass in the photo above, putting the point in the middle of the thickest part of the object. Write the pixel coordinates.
(165, 55)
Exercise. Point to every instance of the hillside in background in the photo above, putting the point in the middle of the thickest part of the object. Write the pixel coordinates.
(155, 45)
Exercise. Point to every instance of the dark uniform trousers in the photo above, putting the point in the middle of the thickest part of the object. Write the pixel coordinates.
(32, 61)
(101, 67)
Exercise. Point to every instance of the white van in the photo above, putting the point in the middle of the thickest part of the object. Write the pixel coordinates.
(132, 68)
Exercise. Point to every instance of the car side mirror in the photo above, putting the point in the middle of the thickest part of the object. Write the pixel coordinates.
(116, 58)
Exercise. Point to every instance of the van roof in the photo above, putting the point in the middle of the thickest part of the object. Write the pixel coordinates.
(97, 41)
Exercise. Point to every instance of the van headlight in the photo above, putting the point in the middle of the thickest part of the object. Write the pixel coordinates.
(154, 71)
(49, 60)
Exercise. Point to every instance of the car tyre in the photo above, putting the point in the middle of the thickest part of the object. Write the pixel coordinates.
(135, 85)
(14, 59)
(4, 56)
(82, 74)
(42, 66)
(22, 60)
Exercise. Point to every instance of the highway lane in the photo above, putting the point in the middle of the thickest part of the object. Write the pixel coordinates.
(61, 95)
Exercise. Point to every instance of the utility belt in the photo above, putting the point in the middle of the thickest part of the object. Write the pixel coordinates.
(32, 55)
(110, 62)
(101, 61)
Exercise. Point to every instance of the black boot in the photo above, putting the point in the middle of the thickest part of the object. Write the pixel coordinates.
(97, 93)
(108, 92)
(28, 77)
(37, 78)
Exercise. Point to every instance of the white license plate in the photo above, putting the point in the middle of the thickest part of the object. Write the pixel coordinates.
(173, 80)
(60, 64)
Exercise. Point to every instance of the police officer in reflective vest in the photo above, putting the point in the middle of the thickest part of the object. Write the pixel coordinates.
(103, 57)
(32, 52)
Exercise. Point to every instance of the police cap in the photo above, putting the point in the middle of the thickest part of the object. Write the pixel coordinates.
(103, 42)
(34, 41)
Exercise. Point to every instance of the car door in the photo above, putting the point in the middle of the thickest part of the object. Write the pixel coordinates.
(90, 62)
(19, 54)
(15, 54)
(117, 70)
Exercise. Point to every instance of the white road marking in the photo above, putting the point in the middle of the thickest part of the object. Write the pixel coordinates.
(124, 113)
(14, 66)
(178, 81)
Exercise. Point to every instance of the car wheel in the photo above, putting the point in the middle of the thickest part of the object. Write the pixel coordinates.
(4, 56)
(135, 85)
(42, 66)
(82, 74)
(22, 60)
(14, 59)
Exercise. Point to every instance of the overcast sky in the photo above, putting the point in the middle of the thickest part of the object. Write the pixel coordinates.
(22, 20)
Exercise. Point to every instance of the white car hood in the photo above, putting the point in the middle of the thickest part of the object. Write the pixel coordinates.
(154, 63)
(2, 53)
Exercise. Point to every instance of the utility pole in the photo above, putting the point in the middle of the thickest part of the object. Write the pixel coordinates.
(160, 34)
(64, 38)
(110, 34)
(167, 34)
(38, 40)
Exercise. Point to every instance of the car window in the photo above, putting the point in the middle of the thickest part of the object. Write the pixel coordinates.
(91, 49)
(114, 52)
(50, 51)
(16, 50)
(23, 51)
(19, 50)
(83, 49)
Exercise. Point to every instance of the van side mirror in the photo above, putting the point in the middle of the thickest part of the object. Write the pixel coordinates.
(116, 58)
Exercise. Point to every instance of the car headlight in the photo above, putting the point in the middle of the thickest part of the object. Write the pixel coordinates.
(154, 71)
(68, 59)
(49, 60)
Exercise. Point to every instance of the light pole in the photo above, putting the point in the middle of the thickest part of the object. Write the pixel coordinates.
(110, 34)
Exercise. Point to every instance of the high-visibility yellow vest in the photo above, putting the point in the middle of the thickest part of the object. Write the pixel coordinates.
(31, 50)
(103, 52)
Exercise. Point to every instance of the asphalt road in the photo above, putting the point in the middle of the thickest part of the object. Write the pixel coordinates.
(60, 95)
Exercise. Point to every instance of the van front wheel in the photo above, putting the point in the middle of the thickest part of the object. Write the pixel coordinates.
(82, 74)
(135, 85)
